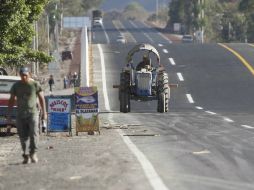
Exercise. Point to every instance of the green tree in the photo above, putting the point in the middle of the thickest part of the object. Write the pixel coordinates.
(135, 11)
(17, 30)
(247, 8)
(88, 4)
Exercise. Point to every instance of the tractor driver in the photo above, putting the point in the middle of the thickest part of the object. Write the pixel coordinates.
(145, 62)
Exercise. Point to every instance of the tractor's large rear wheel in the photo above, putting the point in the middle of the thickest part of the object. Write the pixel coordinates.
(163, 93)
(124, 92)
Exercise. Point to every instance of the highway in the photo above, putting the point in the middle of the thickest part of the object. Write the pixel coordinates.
(206, 140)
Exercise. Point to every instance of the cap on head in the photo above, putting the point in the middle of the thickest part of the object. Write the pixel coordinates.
(24, 71)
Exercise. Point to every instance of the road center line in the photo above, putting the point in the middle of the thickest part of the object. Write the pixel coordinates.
(172, 61)
(104, 83)
(210, 112)
(180, 76)
(249, 67)
(247, 126)
(190, 99)
(199, 108)
(165, 50)
(228, 119)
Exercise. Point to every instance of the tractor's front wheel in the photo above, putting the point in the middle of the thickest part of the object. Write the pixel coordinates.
(163, 93)
(124, 92)
(124, 102)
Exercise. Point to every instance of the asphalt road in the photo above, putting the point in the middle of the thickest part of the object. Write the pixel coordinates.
(205, 141)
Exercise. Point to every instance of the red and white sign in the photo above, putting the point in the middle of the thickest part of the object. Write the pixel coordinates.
(59, 105)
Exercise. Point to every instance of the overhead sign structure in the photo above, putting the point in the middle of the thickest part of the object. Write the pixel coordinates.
(59, 115)
(87, 109)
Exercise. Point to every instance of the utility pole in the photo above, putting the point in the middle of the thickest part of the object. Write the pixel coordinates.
(157, 9)
(48, 41)
(35, 47)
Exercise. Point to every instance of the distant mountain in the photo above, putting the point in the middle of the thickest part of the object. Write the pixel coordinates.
(149, 5)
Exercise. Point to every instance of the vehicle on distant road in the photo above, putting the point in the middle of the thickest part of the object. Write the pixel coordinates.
(97, 22)
(97, 19)
(187, 39)
(66, 55)
(121, 39)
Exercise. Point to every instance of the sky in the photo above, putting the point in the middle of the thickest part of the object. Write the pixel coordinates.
(149, 5)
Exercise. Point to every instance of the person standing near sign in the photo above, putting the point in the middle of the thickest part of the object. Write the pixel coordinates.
(51, 82)
(25, 92)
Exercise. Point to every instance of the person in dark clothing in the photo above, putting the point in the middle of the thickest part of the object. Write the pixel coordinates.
(143, 63)
(75, 79)
(51, 82)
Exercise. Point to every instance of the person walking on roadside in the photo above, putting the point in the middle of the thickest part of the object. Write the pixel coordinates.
(65, 81)
(51, 82)
(75, 79)
(25, 92)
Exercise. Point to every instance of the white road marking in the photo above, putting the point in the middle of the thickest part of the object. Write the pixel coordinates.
(160, 45)
(201, 152)
(148, 168)
(247, 126)
(146, 35)
(165, 50)
(199, 108)
(180, 76)
(171, 60)
(228, 119)
(75, 177)
(190, 99)
(164, 37)
(152, 176)
(133, 24)
(104, 84)
(108, 41)
(210, 112)
(149, 37)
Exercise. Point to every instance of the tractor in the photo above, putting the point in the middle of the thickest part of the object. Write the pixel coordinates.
(146, 83)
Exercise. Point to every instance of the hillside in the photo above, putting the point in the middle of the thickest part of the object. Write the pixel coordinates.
(149, 5)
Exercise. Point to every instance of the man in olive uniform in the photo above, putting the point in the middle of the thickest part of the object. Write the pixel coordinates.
(25, 92)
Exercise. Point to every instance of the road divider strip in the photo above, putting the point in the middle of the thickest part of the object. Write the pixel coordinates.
(120, 27)
(104, 83)
(246, 64)
(146, 35)
(159, 33)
